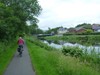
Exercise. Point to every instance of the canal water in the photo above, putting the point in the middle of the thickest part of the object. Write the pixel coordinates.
(60, 44)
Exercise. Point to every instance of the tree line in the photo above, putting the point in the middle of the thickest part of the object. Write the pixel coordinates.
(14, 15)
(83, 25)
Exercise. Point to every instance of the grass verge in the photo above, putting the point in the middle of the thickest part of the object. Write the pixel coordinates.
(55, 63)
(6, 56)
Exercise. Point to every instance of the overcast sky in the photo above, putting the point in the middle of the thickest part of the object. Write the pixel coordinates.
(68, 13)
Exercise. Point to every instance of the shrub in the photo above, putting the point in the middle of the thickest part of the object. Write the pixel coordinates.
(72, 51)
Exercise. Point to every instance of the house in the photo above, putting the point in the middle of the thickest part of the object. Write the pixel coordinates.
(52, 33)
(62, 30)
(96, 27)
(77, 30)
(71, 30)
(80, 29)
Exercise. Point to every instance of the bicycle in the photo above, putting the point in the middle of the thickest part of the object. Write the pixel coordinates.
(20, 49)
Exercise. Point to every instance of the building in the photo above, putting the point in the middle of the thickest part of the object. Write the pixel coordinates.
(96, 27)
(62, 30)
(80, 29)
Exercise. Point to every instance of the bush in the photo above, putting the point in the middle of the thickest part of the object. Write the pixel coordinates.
(72, 51)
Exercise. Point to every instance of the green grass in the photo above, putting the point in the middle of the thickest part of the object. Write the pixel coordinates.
(53, 62)
(6, 56)
(92, 58)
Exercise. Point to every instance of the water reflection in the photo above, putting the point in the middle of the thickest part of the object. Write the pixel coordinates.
(60, 44)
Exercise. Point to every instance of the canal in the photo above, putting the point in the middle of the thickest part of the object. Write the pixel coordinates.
(59, 44)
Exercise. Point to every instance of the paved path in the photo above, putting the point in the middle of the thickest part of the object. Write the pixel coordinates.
(20, 65)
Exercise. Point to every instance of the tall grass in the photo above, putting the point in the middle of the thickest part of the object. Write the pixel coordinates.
(92, 58)
(6, 53)
(55, 63)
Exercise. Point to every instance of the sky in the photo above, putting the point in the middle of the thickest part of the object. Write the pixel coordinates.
(68, 13)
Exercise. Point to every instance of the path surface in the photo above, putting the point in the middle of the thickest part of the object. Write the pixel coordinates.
(20, 65)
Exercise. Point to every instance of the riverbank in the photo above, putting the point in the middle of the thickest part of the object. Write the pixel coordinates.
(54, 62)
(82, 39)
(90, 50)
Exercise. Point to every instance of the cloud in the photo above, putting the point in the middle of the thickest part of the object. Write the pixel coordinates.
(68, 13)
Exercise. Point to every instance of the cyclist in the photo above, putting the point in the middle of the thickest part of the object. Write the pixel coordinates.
(20, 43)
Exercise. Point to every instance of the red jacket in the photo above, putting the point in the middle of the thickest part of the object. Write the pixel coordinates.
(20, 41)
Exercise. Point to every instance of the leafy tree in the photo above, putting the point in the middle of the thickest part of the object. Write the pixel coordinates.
(14, 14)
(33, 28)
(85, 25)
(52, 30)
(24, 9)
(39, 31)
(88, 31)
(6, 13)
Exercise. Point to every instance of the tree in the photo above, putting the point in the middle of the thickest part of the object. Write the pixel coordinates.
(88, 31)
(52, 30)
(85, 25)
(39, 31)
(15, 13)
(6, 13)
(33, 28)
(26, 9)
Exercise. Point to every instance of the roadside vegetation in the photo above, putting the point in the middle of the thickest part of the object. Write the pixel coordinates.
(7, 51)
(53, 62)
